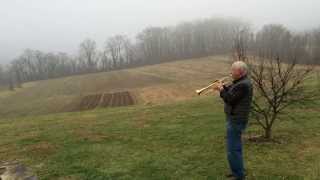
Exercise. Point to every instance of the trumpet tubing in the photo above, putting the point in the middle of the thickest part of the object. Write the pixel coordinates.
(222, 80)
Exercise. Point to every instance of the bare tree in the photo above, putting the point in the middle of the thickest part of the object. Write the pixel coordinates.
(152, 45)
(273, 40)
(150, 40)
(120, 50)
(88, 54)
(278, 83)
(104, 62)
(2, 74)
(114, 47)
(315, 46)
(242, 41)
(11, 84)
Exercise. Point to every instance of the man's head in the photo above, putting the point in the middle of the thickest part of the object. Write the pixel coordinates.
(238, 70)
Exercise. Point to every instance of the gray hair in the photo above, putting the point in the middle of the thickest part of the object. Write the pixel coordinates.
(242, 66)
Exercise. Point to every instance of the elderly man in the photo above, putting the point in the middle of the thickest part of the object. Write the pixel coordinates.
(237, 101)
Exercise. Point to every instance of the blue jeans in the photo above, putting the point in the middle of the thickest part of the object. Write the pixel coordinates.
(234, 146)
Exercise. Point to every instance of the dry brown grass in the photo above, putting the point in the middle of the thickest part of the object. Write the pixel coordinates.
(42, 149)
(152, 84)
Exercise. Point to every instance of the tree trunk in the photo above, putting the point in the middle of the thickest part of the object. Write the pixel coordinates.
(267, 133)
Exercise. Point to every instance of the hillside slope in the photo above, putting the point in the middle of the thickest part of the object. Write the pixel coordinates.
(152, 84)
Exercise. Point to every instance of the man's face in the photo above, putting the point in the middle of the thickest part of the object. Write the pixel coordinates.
(235, 73)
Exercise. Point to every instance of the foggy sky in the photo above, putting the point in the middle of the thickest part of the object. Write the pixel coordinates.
(60, 25)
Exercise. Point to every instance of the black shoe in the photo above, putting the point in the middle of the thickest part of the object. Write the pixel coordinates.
(229, 175)
(235, 178)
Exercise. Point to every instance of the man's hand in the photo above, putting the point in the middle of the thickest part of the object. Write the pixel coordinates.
(218, 86)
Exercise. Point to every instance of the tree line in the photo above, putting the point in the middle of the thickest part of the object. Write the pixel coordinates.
(154, 45)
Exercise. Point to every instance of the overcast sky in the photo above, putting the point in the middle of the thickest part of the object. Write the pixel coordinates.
(60, 25)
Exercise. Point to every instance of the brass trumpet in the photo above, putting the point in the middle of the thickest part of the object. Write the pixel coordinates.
(224, 80)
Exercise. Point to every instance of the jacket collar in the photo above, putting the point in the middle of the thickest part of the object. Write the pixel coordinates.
(237, 80)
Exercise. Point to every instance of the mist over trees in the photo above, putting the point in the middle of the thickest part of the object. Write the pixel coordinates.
(212, 36)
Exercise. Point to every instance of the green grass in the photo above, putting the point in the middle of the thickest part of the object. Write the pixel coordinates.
(183, 140)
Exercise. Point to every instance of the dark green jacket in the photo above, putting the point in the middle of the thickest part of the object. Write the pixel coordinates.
(237, 99)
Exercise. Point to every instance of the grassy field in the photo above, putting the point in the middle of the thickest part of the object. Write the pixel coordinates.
(169, 134)
(154, 84)
(182, 140)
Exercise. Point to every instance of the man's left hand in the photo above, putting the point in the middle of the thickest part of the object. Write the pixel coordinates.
(219, 86)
